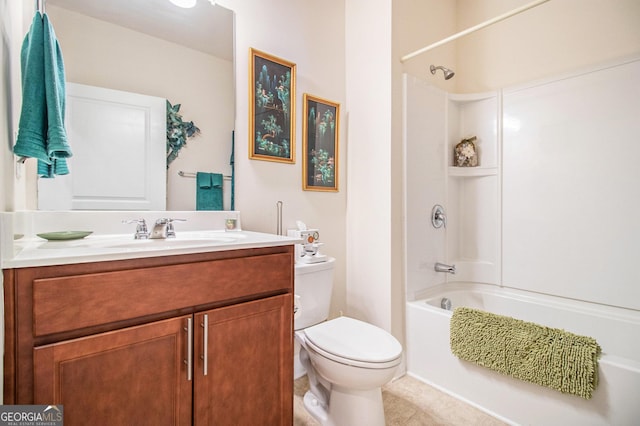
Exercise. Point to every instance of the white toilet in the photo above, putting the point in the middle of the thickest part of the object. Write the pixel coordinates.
(347, 360)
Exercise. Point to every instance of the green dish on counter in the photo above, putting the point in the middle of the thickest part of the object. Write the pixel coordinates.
(64, 235)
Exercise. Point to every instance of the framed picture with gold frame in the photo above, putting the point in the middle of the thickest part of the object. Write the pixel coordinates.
(320, 130)
(272, 87)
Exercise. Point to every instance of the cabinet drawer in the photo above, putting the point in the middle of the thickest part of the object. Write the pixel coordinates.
(78, 301)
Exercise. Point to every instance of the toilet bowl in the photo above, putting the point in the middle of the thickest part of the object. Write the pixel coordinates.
(347, 362)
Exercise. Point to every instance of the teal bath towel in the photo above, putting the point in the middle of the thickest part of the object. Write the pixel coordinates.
(41, 131)
(208, 191)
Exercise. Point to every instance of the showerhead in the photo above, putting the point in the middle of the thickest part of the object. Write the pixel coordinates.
(447, 72)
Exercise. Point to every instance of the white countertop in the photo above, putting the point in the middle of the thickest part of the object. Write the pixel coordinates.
(111, 239)
(99, 248)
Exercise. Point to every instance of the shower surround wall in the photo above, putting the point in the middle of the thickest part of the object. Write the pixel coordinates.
(552, 207)
(434, 123)
(571, 180)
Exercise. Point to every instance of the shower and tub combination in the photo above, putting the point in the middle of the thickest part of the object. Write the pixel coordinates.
(523, 233)
(614, 400)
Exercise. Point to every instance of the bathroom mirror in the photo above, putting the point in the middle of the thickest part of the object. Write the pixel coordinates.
(154, 48)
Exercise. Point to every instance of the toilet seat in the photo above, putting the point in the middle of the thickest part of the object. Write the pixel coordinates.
(353, 342)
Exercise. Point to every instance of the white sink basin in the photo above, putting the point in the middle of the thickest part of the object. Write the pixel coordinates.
(186, 239)
(152, 244)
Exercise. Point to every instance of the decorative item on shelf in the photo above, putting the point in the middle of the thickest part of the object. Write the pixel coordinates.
(465, 154)
(178, 131)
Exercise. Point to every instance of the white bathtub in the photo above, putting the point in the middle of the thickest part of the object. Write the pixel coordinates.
(616, 400)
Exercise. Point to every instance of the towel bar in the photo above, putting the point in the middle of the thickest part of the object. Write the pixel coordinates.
(192, 175)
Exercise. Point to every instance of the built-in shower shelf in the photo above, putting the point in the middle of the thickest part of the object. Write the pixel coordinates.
(472, 171)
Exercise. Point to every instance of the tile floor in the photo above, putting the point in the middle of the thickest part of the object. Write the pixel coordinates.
(408, 402)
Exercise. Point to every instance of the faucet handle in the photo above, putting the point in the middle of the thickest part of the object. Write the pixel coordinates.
(171, 232)
(166, 220)
(141, 228)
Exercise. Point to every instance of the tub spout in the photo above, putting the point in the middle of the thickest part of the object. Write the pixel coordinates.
(442, 267)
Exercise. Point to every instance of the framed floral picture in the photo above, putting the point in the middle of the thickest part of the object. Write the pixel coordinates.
(272, 83)
(320, 129)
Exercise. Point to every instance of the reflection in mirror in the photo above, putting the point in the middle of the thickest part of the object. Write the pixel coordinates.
(153, 48)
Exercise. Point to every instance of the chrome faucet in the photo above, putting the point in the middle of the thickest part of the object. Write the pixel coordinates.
(163, 228)
(141, 228)
(442, 267)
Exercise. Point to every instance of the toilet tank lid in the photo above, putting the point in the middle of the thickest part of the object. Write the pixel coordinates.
(305, 268)
(353, 339)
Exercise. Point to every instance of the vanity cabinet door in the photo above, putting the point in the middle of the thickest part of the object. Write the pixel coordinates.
(136, 375)
(247, 378)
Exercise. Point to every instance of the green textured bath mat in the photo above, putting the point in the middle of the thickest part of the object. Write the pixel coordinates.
(546, 356)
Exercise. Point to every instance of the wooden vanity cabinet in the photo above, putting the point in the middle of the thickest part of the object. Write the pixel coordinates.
(192, 339)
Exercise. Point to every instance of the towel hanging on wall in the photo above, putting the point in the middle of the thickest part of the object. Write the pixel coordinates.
(41, 131)
(209, 191)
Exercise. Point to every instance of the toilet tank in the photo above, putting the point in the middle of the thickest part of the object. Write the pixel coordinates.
(313, 286)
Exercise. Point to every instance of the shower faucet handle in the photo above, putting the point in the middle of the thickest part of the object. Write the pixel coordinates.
(438, 218)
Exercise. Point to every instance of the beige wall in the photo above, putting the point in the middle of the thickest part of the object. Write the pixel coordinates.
(418, 23)
(369, 213)
(556, 37)
(311, 35)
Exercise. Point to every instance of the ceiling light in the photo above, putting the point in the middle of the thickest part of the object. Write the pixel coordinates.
(213, 2)
(184, 3)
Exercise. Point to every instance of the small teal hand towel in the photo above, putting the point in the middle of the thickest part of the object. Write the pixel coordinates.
(209, 191)
(41, 131)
